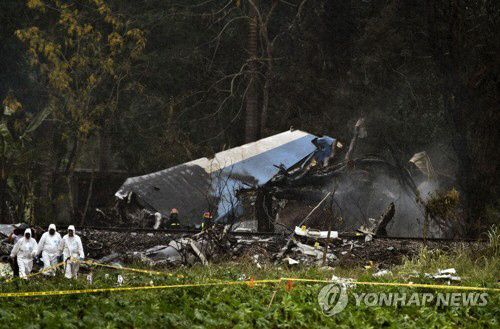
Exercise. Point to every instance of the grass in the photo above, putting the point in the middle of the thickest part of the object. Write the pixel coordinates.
(243, 306)
(475, 264)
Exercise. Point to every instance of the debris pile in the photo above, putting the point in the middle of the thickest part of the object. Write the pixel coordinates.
(5, 248)
(160, 249)
(305, 246)
(211, 245)
(301, 253)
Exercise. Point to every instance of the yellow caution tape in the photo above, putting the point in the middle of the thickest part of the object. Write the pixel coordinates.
(422, 285)
(98, 264)
(132, 269)
(397, 284)
(38, 273)
(249, 283)
(129, 268)
(83, 291)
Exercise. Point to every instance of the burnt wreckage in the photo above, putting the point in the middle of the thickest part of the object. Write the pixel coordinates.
(212, 185)
(272, 184)
(293, 183)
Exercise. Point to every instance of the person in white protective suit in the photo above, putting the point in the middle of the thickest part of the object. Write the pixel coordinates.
(25, 249)
(48, 247)
(72, 249)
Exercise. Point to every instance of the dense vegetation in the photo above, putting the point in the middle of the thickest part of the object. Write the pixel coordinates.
(142, 85)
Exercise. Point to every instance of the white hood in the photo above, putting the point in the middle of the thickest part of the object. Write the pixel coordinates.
(71, 228)
(28, 230)
(52, 227)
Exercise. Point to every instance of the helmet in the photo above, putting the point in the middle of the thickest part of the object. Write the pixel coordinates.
(21, 226)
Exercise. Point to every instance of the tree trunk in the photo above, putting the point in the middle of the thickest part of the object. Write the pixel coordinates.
(3, 200)
(89, 196)
(104, 152)
(265, 100)
(46, 168)
(251, 112)
(45, 176)
(70, 179)
(4, 213)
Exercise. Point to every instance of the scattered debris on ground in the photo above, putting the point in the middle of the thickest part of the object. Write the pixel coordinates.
(160, 249)
(382, 273)
(444, 275)
(344, 281)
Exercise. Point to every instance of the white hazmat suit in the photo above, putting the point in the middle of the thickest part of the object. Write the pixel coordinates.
(72, 249)
(25, 249)
(49, 248)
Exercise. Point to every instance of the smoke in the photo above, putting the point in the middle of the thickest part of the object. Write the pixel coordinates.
(364, 196)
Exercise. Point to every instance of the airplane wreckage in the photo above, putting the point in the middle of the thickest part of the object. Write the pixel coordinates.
(285, 199)
(271, 185)
(289, 198)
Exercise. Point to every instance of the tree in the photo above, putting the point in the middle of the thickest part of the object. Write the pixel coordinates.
(463, 37)
(84, 54)
(16, 148)
(251, 113)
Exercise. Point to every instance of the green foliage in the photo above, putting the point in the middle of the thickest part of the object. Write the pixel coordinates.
(247, 307)
(444, 205)
(474, 263)
(83, 57)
